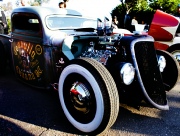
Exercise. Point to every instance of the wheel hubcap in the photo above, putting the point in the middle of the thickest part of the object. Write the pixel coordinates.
(80, 97)
(177, 56)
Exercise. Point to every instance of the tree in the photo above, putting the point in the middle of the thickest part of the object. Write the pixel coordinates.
(133, 7)
(7, 6)
(168, 6)
(144, 9)
(40, 1)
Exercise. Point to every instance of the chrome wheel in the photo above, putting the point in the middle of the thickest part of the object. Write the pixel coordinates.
(80, 97)
(176, 55)
(80, 102)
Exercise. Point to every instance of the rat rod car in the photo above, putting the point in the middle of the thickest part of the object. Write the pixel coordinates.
(92, 71)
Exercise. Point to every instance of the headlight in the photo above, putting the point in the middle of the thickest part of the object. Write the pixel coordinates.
(127, 73)
(161, 63)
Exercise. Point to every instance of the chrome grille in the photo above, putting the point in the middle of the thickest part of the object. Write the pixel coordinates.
(149, 73)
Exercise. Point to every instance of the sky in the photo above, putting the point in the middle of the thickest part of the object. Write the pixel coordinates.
(91, 8)
(94, 8)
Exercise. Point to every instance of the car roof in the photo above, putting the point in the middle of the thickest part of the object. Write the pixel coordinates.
(44, 11)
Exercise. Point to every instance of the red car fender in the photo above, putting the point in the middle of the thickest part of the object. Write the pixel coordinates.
(163, 26)
(160, 46)
(164, 45)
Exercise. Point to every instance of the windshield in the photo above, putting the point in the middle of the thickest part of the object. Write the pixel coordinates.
(56, 22)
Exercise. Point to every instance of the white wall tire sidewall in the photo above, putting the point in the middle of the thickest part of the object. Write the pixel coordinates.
(94, 124)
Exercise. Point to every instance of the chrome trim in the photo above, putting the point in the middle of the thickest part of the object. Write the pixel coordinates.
(80, 97)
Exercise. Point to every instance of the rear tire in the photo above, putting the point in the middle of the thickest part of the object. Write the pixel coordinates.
(93, 105)
(171, 73)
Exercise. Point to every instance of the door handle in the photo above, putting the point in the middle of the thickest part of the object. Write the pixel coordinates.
(11, 40)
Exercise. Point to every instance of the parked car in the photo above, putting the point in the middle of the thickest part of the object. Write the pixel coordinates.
(91, 70)
(165, 29)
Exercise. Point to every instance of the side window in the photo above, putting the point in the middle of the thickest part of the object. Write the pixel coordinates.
(26, 23)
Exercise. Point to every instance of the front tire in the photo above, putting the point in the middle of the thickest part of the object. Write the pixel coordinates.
(88, 96)
(171, 73)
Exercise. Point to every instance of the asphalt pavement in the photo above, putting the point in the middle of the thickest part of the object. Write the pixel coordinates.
(26, 111)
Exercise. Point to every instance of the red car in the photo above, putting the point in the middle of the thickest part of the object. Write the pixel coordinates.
(165, 30)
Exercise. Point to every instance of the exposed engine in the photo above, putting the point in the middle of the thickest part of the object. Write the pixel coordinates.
(101, 51)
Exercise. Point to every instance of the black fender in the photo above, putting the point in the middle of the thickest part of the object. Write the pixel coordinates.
(171, 73)
(2, 59)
